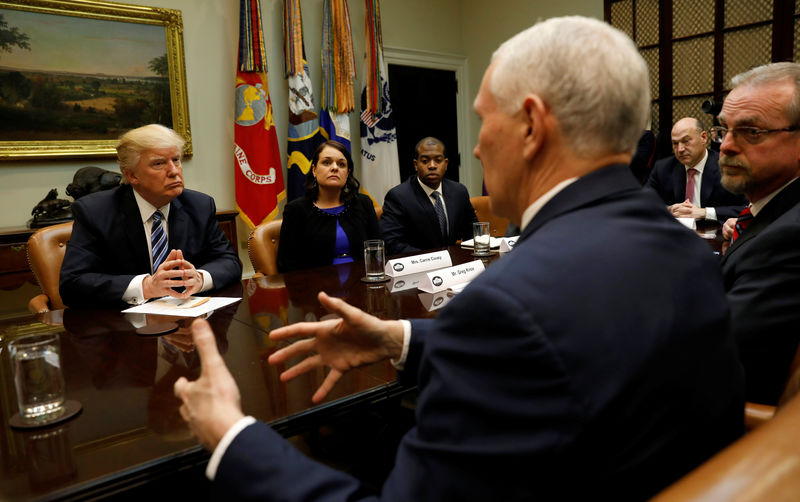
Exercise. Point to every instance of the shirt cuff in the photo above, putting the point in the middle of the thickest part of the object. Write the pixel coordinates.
(222, 446)
(400, 363)
(134, 295)
(208, 283)
(711, 213)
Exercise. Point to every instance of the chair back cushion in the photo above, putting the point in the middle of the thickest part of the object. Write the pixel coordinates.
(483, 210)
(46, 248)
(262, 247)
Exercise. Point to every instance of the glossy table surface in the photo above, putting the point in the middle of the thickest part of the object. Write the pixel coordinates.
(130, 428)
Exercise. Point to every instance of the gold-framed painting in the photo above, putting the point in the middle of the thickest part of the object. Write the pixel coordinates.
(76, 74)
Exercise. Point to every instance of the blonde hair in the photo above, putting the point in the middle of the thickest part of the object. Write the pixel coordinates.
(149, 137)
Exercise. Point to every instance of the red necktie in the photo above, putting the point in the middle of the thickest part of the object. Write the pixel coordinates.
(745, 217)
(690, 176)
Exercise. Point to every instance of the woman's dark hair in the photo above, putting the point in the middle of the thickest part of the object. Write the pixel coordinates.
(351, 185)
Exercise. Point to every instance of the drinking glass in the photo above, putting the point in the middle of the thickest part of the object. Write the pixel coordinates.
(480, 238)
(36, 362)
(374, 259)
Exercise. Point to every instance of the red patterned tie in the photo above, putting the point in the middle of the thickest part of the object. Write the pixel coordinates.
(745, 217)
(691, 174)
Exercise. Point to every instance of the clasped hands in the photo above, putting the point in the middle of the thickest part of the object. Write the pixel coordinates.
(174, 272)
(212, 404)
(686, 209)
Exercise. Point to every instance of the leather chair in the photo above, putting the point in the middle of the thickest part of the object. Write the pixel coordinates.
(262, 247)
(761, 466)
(46, 248)
(756, 414)
(378, 211)
(497, 224)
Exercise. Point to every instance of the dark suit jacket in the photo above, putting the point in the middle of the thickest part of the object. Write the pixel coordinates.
(668, 179)
(560, 373)
(108, 246)
(762, 277)
(409, 222)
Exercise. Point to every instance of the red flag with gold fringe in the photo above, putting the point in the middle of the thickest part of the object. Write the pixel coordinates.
(258, 173)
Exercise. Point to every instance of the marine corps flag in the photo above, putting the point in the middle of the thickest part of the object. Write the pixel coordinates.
(258, 172)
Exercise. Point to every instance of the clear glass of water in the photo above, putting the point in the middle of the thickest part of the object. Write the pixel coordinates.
(481, 238)
(36, 362)
(374, 259)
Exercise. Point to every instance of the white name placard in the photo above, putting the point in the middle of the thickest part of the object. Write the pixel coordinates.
(405, 282)
(418, 263)
(507, 244)
(439, 280)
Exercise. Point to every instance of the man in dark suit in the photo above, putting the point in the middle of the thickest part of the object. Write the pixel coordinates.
(760, 157)
(689, 181)
(427, 210)
(149, 237)
(538, 381)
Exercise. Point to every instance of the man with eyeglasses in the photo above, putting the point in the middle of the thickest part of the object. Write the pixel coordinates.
(149, 237)
(760, 158)
(689, 182)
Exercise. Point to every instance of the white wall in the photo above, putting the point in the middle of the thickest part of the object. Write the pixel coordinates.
(473, 28)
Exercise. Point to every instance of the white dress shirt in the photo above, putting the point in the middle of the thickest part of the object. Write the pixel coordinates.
(134, 294)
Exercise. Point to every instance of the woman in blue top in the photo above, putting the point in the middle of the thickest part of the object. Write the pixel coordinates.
(331, 222)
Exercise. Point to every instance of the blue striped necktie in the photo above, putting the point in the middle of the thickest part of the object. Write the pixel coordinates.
(439, 208)
(158, 240)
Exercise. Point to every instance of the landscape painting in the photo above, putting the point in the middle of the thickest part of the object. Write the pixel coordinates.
(73, 80)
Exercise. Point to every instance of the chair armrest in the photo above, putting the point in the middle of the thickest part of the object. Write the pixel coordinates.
(757, 414)
(39, 304)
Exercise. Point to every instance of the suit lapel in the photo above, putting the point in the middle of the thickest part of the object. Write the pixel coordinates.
(426, 207)
(177, 225)
(134, 230)
(710, 179)
(782, 202)
(450, 205)
(679, 181)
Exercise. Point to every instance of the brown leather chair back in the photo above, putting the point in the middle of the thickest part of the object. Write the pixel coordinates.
(378, 211)
(761, 466)
(46, 248)
(483, 209)
(262, 247)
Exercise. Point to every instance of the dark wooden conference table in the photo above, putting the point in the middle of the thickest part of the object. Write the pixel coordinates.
(130, 433)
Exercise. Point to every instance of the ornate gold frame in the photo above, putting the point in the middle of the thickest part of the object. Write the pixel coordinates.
(123, 13)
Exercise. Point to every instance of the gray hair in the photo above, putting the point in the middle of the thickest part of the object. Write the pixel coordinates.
(589, 74)
(774, 73)
(149, 137)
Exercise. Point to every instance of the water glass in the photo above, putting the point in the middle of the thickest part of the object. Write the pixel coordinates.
(481, 238)
(36, 362)
(374, 259)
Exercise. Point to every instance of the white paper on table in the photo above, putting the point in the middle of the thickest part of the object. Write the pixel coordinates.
(418, 263)
(507, 244)
(439, 280)
(689, 223)
(182, 306)
(494, 243)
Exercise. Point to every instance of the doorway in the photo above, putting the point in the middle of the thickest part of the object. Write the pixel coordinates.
(424, 104)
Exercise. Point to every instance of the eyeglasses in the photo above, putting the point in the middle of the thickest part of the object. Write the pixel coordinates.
(749, 134)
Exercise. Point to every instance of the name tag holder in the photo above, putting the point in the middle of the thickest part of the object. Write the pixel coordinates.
(439, 280)
(418, 263)
(507, 244)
